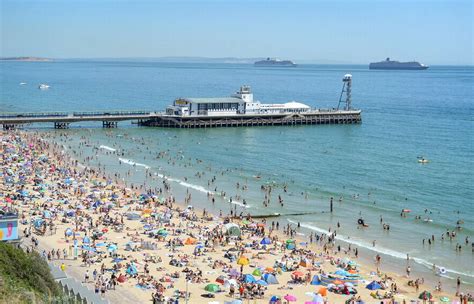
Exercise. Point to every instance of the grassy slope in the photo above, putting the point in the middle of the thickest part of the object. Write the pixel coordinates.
(25, 278)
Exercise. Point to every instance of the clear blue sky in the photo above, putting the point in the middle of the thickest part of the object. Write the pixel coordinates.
(433, 32)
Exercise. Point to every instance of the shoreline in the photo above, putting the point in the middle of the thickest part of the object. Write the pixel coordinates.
(365, 268)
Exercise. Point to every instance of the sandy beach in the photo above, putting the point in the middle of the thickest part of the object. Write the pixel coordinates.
(139, 246)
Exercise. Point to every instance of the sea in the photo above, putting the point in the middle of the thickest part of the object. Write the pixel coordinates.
(370, 170)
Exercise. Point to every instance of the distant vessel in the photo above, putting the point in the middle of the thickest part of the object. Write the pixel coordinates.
(43, 86)
(274, 62)
(397, 65)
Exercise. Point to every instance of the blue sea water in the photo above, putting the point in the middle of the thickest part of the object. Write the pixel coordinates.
(372, 166)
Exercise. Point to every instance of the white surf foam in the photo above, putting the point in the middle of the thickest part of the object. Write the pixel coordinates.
(378, 249)
(240, 204)
(132, 163)
(107, 148)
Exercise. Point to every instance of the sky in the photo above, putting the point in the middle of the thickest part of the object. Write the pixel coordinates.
(345, 31)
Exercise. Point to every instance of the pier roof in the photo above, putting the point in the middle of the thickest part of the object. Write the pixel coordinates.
(214, 100)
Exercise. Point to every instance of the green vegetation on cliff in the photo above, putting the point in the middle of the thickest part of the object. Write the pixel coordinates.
(25, 278)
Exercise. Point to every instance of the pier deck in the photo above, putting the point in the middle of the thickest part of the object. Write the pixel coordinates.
(110, 119)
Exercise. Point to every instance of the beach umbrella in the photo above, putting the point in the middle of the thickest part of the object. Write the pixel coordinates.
(425, 295)
(290, 241)
(212, 287)
(243, 261)
(257, 272)
(261, 282)
(374, 285)
(266, 241)
(234, 272)
(323, 291)
(290, 298)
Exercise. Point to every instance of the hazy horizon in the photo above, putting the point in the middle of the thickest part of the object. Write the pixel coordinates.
(333, 32)
(220, 60)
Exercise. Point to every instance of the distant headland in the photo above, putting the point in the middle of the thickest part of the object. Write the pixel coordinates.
(25, 59)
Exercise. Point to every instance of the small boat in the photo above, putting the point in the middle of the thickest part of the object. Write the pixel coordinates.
(43, 86)
(423, 161)
(22, 83)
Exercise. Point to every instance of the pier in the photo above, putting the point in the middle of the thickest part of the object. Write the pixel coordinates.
(110, 119)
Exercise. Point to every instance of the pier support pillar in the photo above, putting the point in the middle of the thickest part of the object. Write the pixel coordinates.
(61, 125)
(7, 127)
(109, 124)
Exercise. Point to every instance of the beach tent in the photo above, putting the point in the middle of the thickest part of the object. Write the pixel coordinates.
(373, 285)
(290, 244)
(304, 263)
(132, 270)
(212, 287)
(342, 272)
(425, 295)
(261, 282)
(133, 216)
(248, 278)
(318, 299)
(316, 280)
(266, 241)
(121, 278)
(257, 272)
(323, 291)
(275, 299)
(270, 278)
(232, 229)
(190, 241)
(230, 282)
(234, 302)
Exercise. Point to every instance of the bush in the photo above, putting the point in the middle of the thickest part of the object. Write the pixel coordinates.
(24, 276)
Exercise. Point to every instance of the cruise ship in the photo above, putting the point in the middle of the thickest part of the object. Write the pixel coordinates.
(274, 62)
(397, 65)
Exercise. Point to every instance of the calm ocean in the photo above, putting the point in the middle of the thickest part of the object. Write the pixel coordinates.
(373, 166)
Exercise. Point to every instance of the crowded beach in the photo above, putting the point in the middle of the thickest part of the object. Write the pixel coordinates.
(132, 244)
